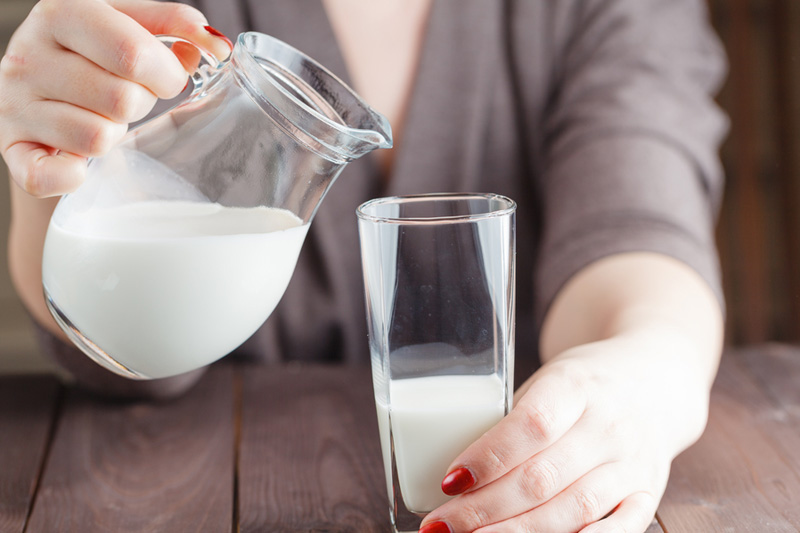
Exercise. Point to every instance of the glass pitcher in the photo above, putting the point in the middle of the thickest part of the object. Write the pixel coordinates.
(182, 239)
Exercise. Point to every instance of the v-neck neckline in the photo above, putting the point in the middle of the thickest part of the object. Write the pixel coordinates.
(385, 161)
(458, 53)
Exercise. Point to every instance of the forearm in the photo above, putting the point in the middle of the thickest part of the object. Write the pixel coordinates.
(646, 296)
(29, 219)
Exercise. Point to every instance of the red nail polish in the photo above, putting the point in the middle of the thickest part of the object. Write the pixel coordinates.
(436, 527)
(457, 481)
(216, 33)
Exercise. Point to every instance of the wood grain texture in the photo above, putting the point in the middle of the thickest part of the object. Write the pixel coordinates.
(27, 407)
(744, 473)
(309, 456)
(776, 368)
(655, 527)
(142, 466)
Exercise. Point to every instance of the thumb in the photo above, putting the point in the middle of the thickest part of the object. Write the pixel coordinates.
(42, 171)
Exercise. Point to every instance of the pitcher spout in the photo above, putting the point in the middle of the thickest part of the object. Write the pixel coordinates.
(307, 101)
(377, 134)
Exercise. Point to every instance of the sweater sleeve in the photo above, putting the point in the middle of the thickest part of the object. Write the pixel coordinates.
(632, 135)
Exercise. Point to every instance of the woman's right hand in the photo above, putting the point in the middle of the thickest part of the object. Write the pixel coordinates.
(77, 72)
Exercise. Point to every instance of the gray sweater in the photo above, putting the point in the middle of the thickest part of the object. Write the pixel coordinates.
(596, 116)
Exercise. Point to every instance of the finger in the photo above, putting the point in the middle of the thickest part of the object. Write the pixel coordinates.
(42, 171)
(73, 79)
(551, 406)
(584, 502)
(529, 485)
(68, 128)
(117, 43)
(634, 515)
(187, 54)
(162, 18)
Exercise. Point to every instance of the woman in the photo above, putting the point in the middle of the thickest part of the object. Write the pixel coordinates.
(595, 116)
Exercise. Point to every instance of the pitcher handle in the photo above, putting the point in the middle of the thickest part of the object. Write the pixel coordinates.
(207, 70)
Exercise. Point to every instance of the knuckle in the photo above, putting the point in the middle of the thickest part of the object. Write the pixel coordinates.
(101, 138)
(529, 523)
(540, 479)
(128, 58)
(539, 423)
(13, 66)
(475, 516)
(123, 102)
(498, 461)
(613, 428)
(33, 181)
(587, 505)
(44, 10)
(572, 375)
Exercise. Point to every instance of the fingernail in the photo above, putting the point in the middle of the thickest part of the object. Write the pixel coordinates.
(216, 33)
(436, 527)
(457, 481)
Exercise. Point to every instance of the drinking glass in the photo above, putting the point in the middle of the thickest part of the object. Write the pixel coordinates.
(439, 282)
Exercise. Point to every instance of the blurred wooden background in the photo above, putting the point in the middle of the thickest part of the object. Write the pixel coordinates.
(759, 229)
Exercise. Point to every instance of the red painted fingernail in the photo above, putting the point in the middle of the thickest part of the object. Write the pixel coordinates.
(216, 33)
(436, 527)
(457, 481)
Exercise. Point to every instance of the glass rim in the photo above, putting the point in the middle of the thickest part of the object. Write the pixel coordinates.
(510, 208)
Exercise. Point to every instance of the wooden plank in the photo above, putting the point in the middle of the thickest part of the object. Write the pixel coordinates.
(309, 455)
(28, 405)
(743, 475)
(142, 466)
(655, 527)
(776, 368)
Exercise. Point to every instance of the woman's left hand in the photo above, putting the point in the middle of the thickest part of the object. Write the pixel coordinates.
(588, 445)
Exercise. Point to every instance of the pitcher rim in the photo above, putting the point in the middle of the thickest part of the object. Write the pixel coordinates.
(361, 134)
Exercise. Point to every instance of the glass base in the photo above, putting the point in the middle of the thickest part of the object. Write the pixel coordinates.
(94, 352)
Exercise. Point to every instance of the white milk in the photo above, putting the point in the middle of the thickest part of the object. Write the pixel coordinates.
(165, 287)
(433, 420)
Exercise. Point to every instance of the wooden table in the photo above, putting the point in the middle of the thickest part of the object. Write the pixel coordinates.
(296, 449)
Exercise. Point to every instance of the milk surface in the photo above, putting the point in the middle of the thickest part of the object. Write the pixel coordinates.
(434, 419)
(165, 287)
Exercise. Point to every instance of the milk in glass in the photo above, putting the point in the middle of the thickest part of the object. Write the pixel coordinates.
(433, 419)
